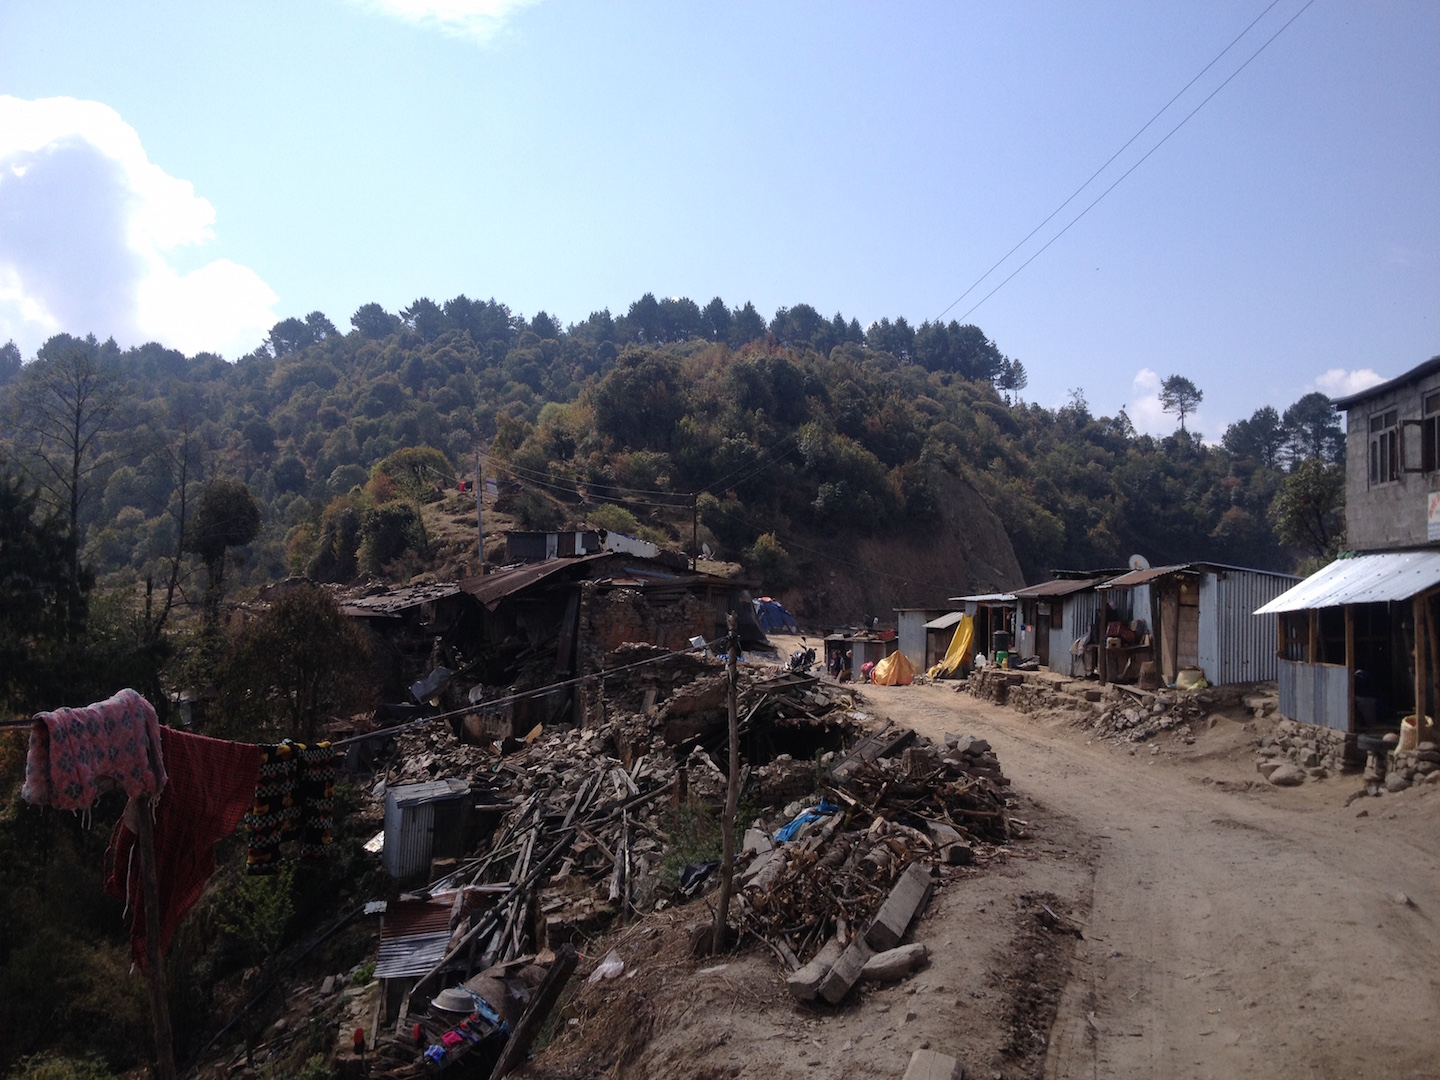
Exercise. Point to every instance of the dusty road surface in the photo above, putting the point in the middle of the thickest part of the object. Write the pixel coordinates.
(1236, 930)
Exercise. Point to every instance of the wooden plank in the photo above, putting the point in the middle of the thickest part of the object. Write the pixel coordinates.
(537, 1012)
(1418, 607)
(905, 901)
(154, 961)
(804, 984)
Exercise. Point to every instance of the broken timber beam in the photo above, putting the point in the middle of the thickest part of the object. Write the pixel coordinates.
(902, 905)
(537, 1012)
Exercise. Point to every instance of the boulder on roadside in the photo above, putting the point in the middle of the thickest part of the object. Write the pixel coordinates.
(1395, 781)
(894, 964)
(1287, 775)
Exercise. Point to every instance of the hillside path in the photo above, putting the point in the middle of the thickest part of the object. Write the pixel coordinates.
(1237, 930)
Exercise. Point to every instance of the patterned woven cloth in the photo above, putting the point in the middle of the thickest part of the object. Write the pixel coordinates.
(294, 800)
(212, 786)
(72, 749)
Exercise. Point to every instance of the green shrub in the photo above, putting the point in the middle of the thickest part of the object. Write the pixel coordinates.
(52, 1066)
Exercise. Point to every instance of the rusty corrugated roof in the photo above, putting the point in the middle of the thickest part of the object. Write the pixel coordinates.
(1058, 587)
(492, 588)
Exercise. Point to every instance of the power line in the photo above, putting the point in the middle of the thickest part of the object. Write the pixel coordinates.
(1109, 161)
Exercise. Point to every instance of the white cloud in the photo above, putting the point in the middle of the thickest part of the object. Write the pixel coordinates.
(1337, 382)
(479, 20)
(87, 227)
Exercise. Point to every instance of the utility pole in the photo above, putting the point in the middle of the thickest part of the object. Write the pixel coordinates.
(695, 530)
(480, 510)
(732, 789)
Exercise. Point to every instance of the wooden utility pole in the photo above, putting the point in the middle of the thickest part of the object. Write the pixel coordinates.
(695, 531)
(154, 961)
(732, 789)
(479, 510)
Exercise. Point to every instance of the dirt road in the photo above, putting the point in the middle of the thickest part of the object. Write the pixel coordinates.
(1236, 930)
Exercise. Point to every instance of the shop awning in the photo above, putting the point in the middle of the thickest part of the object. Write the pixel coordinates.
(946, 621)
(1364, 579)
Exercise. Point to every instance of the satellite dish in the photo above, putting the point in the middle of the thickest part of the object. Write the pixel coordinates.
(1139, 562)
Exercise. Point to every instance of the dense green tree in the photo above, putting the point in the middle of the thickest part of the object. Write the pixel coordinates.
(67, 401)
(746, 325)
(226, 516)
(1312, 429)
(1309, 509)
(1180, 396)
(1259, 438)
(298, 664)
(9, 362)
(374, 322)
(716, 320)
(42, 605)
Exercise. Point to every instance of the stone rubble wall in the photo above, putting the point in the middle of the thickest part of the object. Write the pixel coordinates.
(1320, 751)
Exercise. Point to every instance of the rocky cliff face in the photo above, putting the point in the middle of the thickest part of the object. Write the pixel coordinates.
(968, 551)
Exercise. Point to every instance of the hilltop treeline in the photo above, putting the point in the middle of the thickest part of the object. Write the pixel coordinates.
(801, 430)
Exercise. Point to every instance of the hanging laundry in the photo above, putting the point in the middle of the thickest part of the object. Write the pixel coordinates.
(211, 788)
(72, 749)
(294, 800)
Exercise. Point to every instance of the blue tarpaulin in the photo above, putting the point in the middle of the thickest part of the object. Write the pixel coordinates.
(771, 615)
(787, 834)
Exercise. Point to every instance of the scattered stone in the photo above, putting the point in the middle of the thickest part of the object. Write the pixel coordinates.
(1363, 813)
(929, 1065)
(327, 987)
(1266, 768)
(894, 964)
(1401, 899)
(1287, 775)
(1395, 781)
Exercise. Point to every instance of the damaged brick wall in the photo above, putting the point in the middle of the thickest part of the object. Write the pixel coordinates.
(610, 617)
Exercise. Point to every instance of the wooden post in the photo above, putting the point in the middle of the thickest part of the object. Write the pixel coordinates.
(1434, 661)
(732, 791)
(1312, 653)
(1102, 657)
(154, 961)
(480, 510)
(1350, 664)
(695, 531)
(1418, 607)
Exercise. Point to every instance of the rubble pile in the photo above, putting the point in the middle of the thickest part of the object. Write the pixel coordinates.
(901, 805)
(1134, 715)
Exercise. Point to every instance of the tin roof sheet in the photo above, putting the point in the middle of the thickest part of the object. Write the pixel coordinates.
(392, 601)
(492, 588)
(984, 598)
(1364, 579)
(944, 622)
(413, 937)
(1058, 587)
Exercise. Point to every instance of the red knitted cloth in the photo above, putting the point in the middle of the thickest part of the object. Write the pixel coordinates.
(212, 785)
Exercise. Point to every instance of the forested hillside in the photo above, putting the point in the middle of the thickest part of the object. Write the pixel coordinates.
(804, 431)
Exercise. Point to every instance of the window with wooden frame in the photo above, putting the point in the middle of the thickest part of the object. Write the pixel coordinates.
(1430, 434)
(1384, 447)
(1295, 636)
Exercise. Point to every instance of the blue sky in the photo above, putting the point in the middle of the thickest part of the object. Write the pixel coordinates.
(193, 172)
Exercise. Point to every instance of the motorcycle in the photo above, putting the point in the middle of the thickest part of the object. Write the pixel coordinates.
(802, 659)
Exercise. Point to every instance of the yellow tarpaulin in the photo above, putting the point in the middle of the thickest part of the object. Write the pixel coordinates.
(959, 651)
(894, 670)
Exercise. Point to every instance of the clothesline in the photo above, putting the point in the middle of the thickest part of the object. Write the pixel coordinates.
(483, 706)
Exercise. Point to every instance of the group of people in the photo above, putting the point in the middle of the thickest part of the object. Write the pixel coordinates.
(840, 666)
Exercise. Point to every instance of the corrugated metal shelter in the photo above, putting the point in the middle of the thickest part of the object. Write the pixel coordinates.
(1060, 612)
(992, 612)
(910, 631)
(424, 821)
(1204, 615)
(939, 633)
(1346, 641)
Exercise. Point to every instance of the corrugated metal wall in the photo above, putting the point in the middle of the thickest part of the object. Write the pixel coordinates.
(1076, 621)
(1241, 644)
(910, 632)
(1314, 693)
(409, 836)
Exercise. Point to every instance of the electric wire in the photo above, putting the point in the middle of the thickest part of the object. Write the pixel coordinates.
(1110, 160)
(1142, 160)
